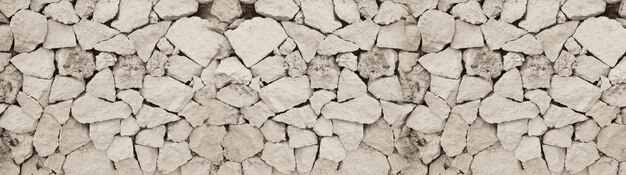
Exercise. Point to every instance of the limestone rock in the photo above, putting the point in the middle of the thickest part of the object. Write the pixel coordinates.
(29, 30)
(364, 160)
(166, 93)
(513, 10)
(558, 117)
(306, 38)
(446, 63)
(453, 136)
(323, 72)
(482, 62)
(379, 136)
(152, 137)
(529, 148)
(62, 12)
(286, 93)
(90, 33)
(89, 109)
(132, 14)
(377, 62)
(536, 72)
(581, 10)
(145, 38)
(150, 117)
(280, 10)
(480, 136)
(553, 38)
(362, 33)
(320, 15)
(14, 119)
(580, 155)
(510, 133)
(473, 88)
(103, 132)
(348, 10)
(59, 36)
(574, 92)
(197, 42)
(46, 137)
(172, 156)
(332, 45)
(399, 35)
(271, 68)
(466, 35)
(206, 142)
(437, 30)
(121, 148)
(105, 10)
(390, 12)
(539, 14)
(496, 160)
(75, 62)
(497, 33)
(247, 38)
(424, 120)
(609, 141)
(527, 44)
(242, 142)
(560, 137)
(510, 85)
(363, 109)
(88, 160)
(599, 35)
(173, 10)
(279, 156)
(73, 135)
(39, 63)
(470, 12)
(9, 7)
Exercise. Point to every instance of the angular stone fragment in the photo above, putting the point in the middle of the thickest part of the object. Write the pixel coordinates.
(6, 36)
(39, 63)
(350, 133)
(470, 12)
(480, 136)
(62, 12)
(482, 62)
(424, 120)
(536, 72)
(323, 127)
(286, 93)
(602, 113)
(279, 156)
(178, 131)
(257, 114)
(445, 88)
(468, 111)
(119, 44)
(59, 36)
(553, 38)
(574, 93)
(247, 38)
(306, 38)
(14, 119)
(132, 14)
(102, 85)
(149, 117)
(29, 30)
(609, 141)
(614, 95)
(320, 15)
(492, 8)
(105, 10)
(46, 137)
(242, 142)
(512, 60)
(332, 45)
(197, 42)
(377, 62)
(510, 133)
(166, 92)
(29, 105)
(232, 70)
(399, 35)
(274, 131)
(496, 160)
(563, 64)
(513, 10)
(437, 30)
(599, 36)
(589, 68)
(536, 126)
(560, 137)
(527, 44)
(529, 148)
(473, 88)
(390, 12)
(131, 97)
(145, 38)
(280, 10)
(121, 148)
(557, 117)
(510, 85)
(230, 168)
(75, 62)
(581, 10)
(347, 10)
(580, 155)
(89, 33)
(586, 131)
(147, 158)
(85, 8)
(88, 160)
(72, 136)
(539, 14)
(302, 117)
(453, 136)
(172, 156)
(271, 68)
(89, 109)
(321, 98)
(226, 10)
(466, 35)
(446, 63)
(173, 10)
(9, 7)
(497, 33)
(152, 137)
(364, 160)
(350, 86)
(129, 126)
(206, 142)
(323, 72)
(103, 132)
(363, 109)
(379, 136)
(386, 88)
(362, 33)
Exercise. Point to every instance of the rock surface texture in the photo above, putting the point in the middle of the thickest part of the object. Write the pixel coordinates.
(313, 87)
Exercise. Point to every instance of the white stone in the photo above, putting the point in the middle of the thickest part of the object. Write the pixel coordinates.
(599, 36)
(256, 38)
(150, 117)
(89, 109)
(175, 9)
(286, 93)
(470, 12)
(363, 109)
(61, 11)
(362, 33)
(88, 160)
(166, 92)
(473, 88)
(132, 14)
(580, 155)
(59, 36)
(206, 142)
(242, 142)
(280, 10)
(581, 10)
(424, 120)
(497, 33)
(539, 14)
(121, 148)
(560, 137)
(172, 156)
(280, 156)
(574, 92)
(446, 63)
(29, 30)
(437, 30)
(466, 35)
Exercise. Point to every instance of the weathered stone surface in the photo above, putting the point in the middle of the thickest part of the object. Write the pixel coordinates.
(75, 62)
(279, 10)
(242, 142)
(302, 117)
(72, 136)
(166, 92)
(496, 160)
(424, 120)
(496, 109)
(580, 155)
(29, 29)
(279, 156)
(362, 33)
(437, 30)
(103, 132)
(581, 10)
(9, 7)
(59, 36)
(197, 42)
(62, 12)
(307, 39)
(247, 38)
(121, 148)
(105, 10)
(473, 88)
(350, 86)
(497, 33)
(510, 133)
(89, 33)
(453, 137)
(539, 14)
(446, 63)
(89, 109)
(574, 92)
(152, 137)
(88, 160)
(150, 117)
(377, 62)
(320, 14)
(132, 14)
(399, 35)
(470, 12)
(560, 137)
(205, 141)
(553, 38)
(173, 10)
(286, 93)
(46, 137)
(599, 35)
(39, 63)
(386, 88)
(364, 160)
(609, 141)
(467, 35)
(172, 156)
(558, 117)
(527, 44)
(480, 136)
(14, 119)
(379, 136)
(363, 109)
(226, 10)
(482, 62)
